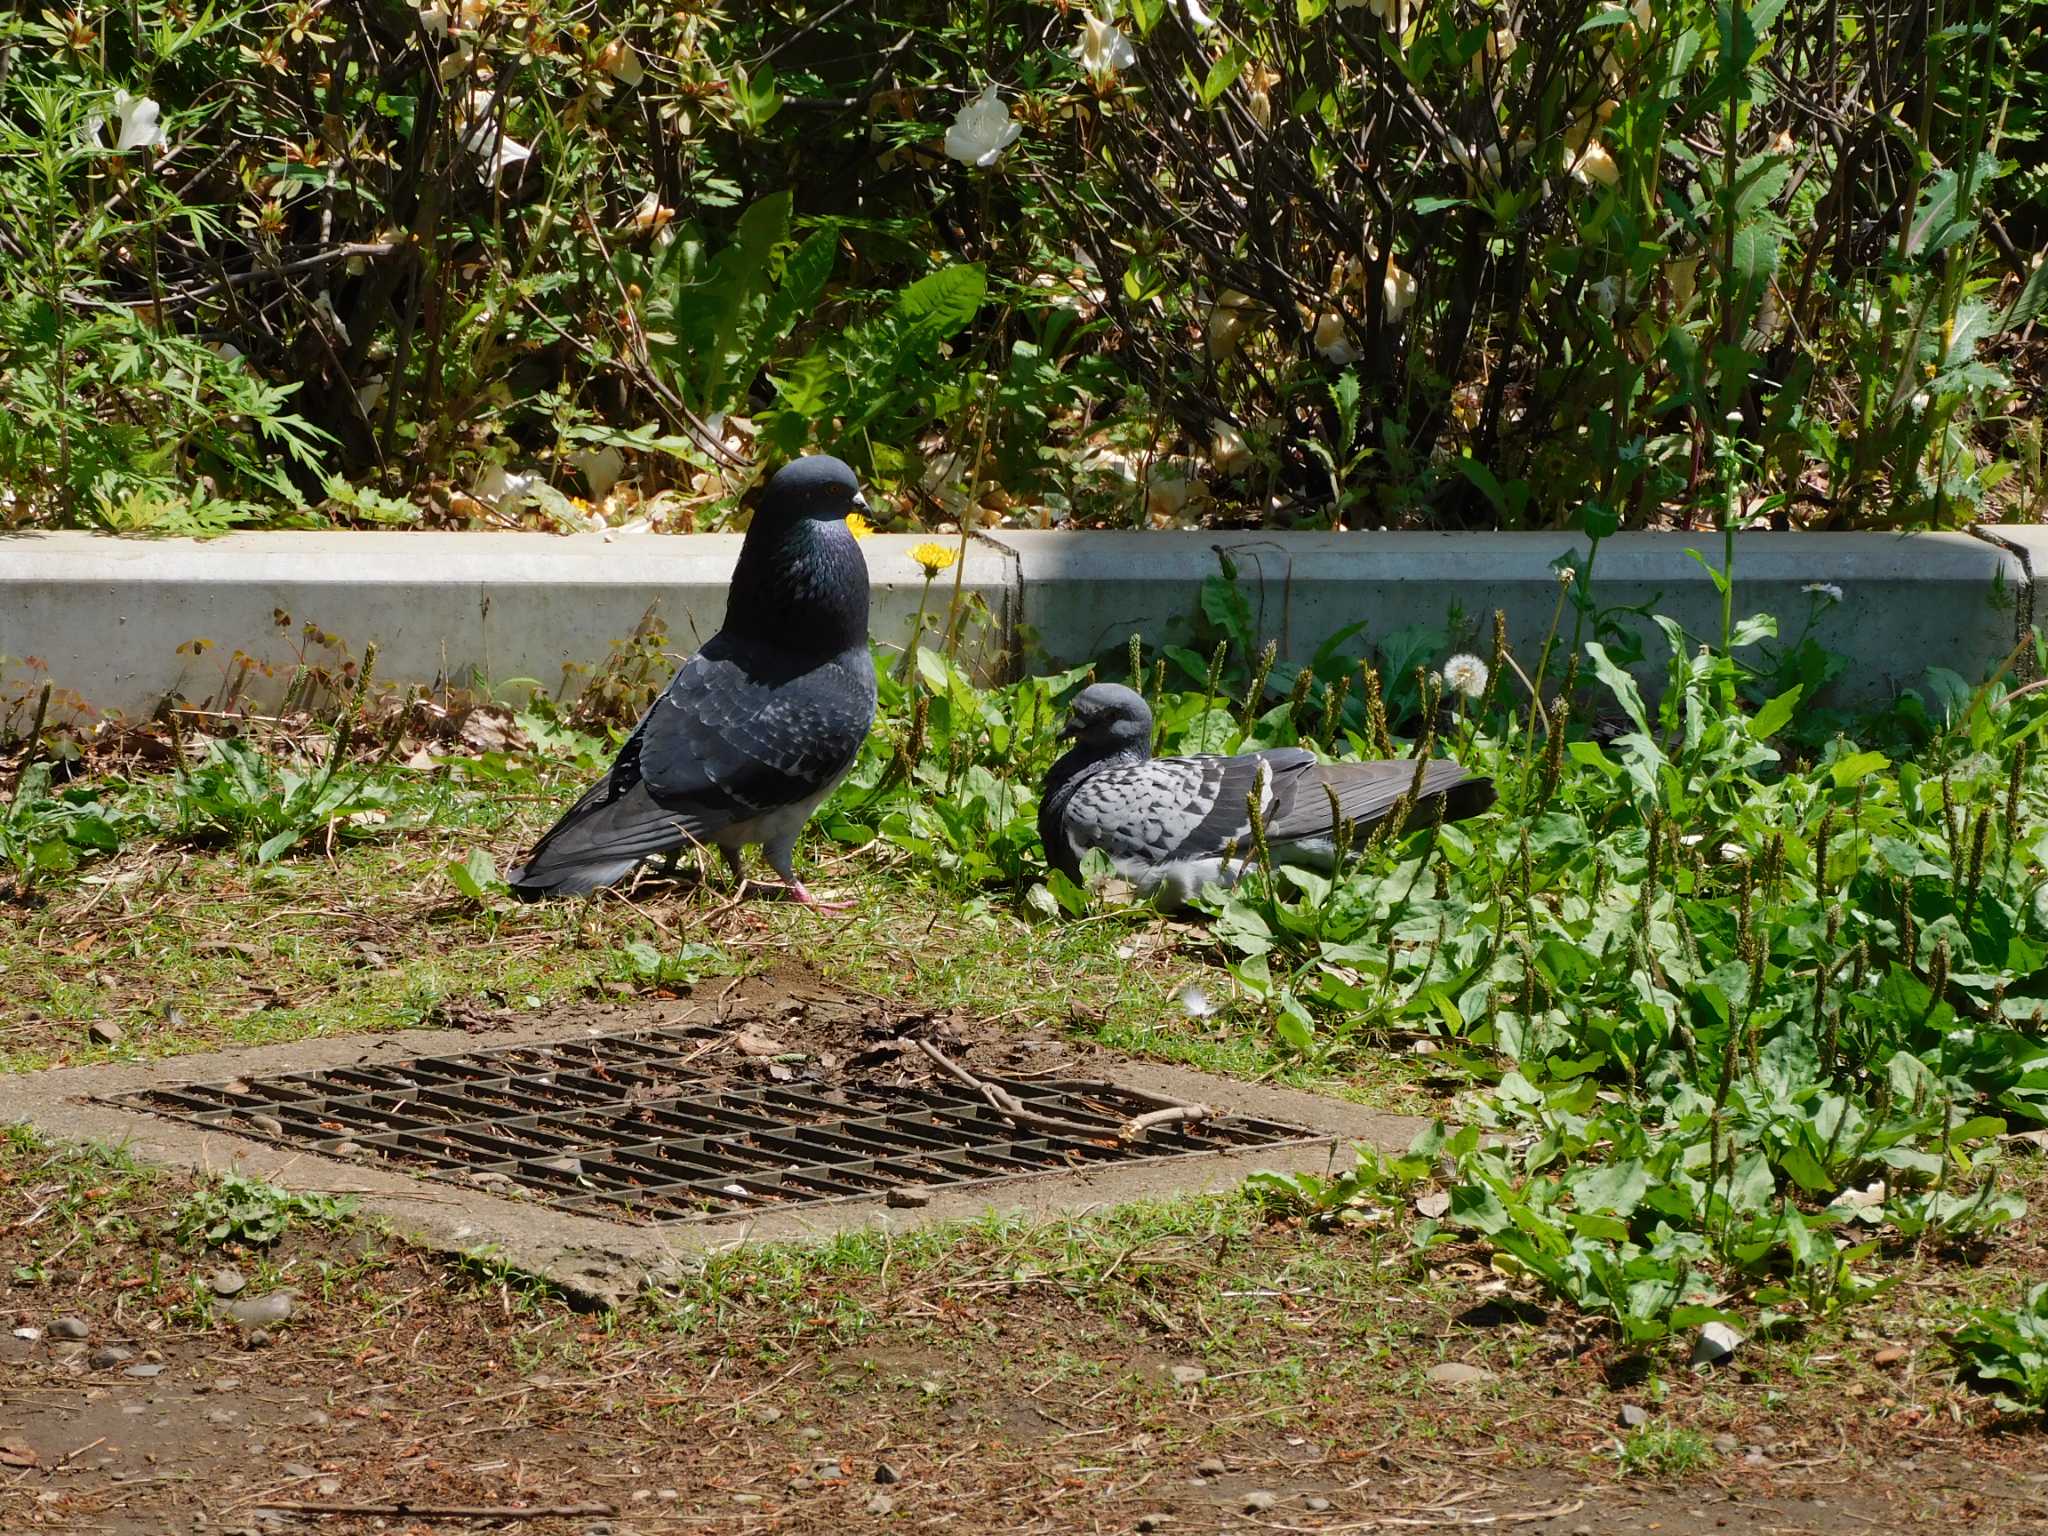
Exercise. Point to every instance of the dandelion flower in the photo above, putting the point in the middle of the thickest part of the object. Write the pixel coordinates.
(933, 557)
(858, 526)
(1826, 589)
(1465, 674)
(982, 130)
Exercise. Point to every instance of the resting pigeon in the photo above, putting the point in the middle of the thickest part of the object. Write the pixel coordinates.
(759, 726)
(1172, 825)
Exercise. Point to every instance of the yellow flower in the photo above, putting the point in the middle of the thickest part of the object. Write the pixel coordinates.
(933, 557)
(858, 526)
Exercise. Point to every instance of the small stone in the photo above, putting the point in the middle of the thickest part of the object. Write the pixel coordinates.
(905, 1198)
(70, 1328)
(1715, 1345)
(1890, 1355)
(810, 1432)
(880, 1503)
(258, 1338)
(1456, 1373)
(225, 1282)
(767, 1415)
(1258, 1501)
(1633, 1416)
(827, 1469)
(1188, 1375)
(221, 1416)
(1317, 1503)
(143, 1372)
(105, 1032)
(884, 1473)
(1725, 1444)
(107, 1356)
(1210, 1466)
(263, 1311)
(1154, 1520)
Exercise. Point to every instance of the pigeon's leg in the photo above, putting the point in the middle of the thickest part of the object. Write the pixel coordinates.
(739, 871)
(779, 854)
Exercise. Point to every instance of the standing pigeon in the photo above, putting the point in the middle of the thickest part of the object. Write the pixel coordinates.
(759, 726)
(1172, 825)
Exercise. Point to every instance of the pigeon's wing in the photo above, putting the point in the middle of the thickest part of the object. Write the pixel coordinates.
(732, 737)
(1366, 792)
(1167, 811)
(729, 742)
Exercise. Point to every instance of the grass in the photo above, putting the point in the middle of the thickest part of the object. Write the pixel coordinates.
(196, 949)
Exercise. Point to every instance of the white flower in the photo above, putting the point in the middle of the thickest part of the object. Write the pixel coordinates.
(137, 123)
(982, 130)
(324, 303)
(497, 151)
(1398, 291)
(1228, 452)
(620, 60)
(651, 215)
(1595, 164)
(1826, 589)
(1495, 49)
(1465, 674)
(370, 393)
(1169, 485)
(1195, 1001)
(434, 17)
(1333, 341)
(1103, 49)
(601, 468)
(1481, 165)
(1227, 320)
(1201, 19)
(503, 489)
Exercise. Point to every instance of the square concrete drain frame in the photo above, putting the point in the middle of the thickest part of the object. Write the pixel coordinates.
(543, 1219)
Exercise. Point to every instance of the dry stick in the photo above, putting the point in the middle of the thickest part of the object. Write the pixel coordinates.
(1180, 1114)
(1169, 1112)
(443, 1511)
(1007, 1104)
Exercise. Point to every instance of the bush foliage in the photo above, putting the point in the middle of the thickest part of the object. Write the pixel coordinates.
(1321, 262)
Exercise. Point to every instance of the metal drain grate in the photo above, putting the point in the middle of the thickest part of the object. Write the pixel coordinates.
(621, 1126)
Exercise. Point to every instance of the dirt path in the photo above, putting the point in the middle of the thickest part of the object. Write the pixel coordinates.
(1008, 1386)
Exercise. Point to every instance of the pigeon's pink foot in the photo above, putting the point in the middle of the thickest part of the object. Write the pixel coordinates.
(796, 890)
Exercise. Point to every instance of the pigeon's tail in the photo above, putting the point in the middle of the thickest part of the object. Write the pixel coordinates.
(1367, 793)
(599, 841)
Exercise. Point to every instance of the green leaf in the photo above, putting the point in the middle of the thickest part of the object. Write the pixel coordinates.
(1617, 1188)
(475, 876)
(1776, 714)
(1620, 684)
(2030, 302)
(1858, 766)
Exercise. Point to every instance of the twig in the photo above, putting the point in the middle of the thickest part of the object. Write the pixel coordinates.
(444, 1511)
(1007, 1104)
(1135, 1128)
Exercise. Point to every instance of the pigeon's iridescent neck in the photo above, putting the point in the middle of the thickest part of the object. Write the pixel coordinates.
(801, 587)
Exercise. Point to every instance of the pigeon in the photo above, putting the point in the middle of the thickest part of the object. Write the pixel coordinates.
(1172, 825)
(759, 726)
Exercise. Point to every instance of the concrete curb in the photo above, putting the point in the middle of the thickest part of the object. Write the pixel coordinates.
(104, 618)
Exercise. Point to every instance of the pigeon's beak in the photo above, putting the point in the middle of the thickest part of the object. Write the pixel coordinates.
(860, 502)
(1070, 730)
